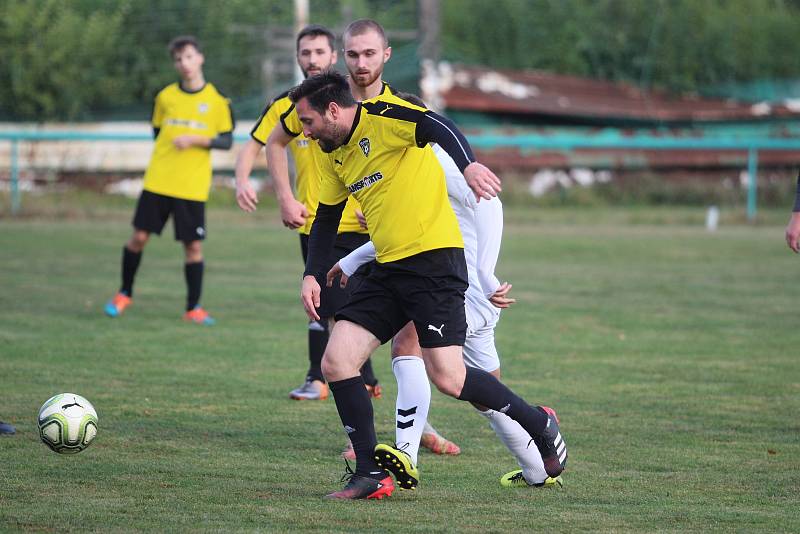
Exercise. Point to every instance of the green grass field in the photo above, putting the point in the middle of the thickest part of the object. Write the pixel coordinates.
(671, 355)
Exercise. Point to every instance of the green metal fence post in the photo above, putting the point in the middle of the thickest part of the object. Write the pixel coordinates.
(752, 183)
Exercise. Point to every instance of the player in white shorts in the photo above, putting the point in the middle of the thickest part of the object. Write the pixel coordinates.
(481, 225)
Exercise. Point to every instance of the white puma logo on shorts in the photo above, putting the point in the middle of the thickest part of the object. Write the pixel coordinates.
(437, 330)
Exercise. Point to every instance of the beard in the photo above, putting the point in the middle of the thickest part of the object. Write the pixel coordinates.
(332, 138)
(322, 70)
(365, 80)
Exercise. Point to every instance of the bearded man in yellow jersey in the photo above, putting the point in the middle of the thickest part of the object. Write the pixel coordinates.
(190, 117)
(366, 51)
(315, 54)
(371, 152)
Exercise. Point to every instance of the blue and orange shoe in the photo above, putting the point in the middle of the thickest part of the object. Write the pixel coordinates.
(198, 315)
(117, 305)
(359, 487)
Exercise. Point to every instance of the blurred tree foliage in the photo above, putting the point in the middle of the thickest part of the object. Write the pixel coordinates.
(680, 45)
(83, 59)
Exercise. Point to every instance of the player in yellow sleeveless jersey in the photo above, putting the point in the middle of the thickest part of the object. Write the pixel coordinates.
(371, 152)
(190, 117)
(315, 54)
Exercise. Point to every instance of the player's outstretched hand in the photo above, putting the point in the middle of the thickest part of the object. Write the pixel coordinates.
(500, 298)
(246, 196)
(793, 232)
(309, 295)
(483, 182)
(293, 213)
(335, 271)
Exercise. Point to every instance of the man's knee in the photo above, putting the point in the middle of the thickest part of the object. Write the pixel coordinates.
(193, 250)
(445, 366)
(329, 366)
(447, 384)
(138, 240)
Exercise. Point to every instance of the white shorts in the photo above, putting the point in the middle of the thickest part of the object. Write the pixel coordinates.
(480, 351)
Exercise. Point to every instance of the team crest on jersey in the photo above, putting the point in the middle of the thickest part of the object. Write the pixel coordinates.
(203, 108)
(364, 144)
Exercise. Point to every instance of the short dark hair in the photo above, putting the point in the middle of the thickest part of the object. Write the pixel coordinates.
(322, 89)
(362, 26)
(315, 30)
(411, 98)
(181, 42)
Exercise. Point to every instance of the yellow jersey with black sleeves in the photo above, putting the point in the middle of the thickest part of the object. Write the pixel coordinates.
(400, 185)
(185, 173)
(305, 154)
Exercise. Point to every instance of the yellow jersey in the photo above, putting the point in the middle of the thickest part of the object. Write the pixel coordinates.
(400, 186)
(185, 173)
(306, 172)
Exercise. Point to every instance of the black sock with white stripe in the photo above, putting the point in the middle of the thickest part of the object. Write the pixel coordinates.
(483, 388)
(355, 411)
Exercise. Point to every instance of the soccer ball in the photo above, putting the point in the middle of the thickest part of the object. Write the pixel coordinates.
(67, 423)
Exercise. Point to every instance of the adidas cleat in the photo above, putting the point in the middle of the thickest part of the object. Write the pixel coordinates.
(551, 445)
(364, 488)
(311, 390)
(398, 463)
(198, 315)
(552, 412)
(514, 479)
(117, 305)
(438, 444)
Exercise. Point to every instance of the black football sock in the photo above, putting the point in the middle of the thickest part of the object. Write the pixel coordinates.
(194, 283)
(368, 374)
(317, 341)
(130, 264)
(483, 388)
(355, 411)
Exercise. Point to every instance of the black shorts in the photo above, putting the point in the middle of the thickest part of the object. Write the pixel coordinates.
(427, 288)
(188, 216)
(334, 297)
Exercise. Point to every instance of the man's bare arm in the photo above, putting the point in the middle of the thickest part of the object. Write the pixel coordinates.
(246, 196)
(293, 213)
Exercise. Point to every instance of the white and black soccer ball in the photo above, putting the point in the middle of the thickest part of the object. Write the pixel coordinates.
(67, 423)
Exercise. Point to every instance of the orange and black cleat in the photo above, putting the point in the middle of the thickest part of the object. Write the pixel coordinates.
(551, 445)
(359, 487)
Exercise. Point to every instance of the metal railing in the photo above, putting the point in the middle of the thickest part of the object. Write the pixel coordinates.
(610, 140)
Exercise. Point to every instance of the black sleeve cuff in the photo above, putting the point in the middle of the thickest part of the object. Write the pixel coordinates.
(223, 141)
(797, 195)
(322, 239)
